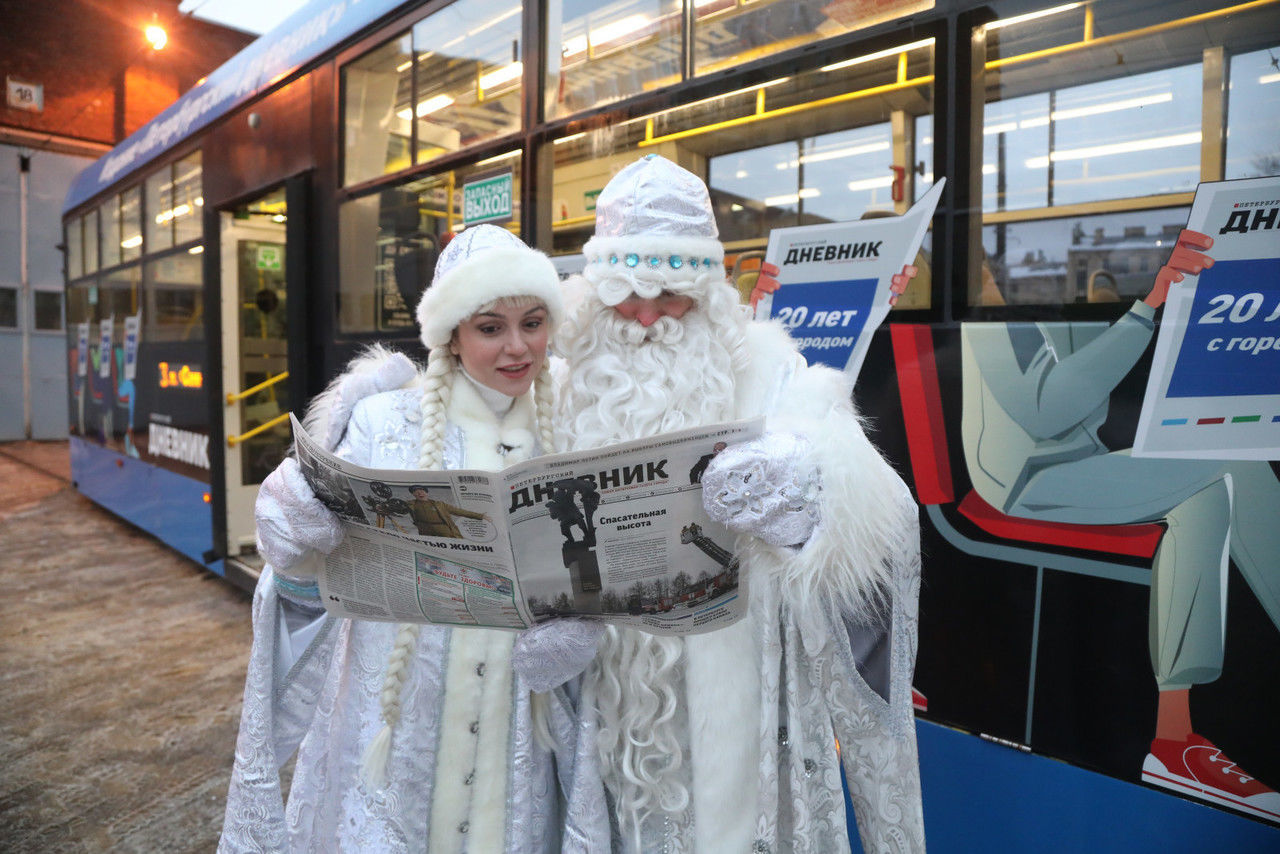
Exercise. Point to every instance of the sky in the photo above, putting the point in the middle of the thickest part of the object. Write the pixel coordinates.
(252, 16)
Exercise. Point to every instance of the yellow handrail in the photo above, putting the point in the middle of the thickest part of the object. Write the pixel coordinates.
(241, 395)
(1153, 29)
(232, 441)
(782, 111)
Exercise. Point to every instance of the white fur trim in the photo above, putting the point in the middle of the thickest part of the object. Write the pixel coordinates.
(375, 369)
(485, 700)
(722, 685)
(481, 279)
(847, 562)
(483, 432)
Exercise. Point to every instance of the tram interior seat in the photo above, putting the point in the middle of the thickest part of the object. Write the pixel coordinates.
(921, 397)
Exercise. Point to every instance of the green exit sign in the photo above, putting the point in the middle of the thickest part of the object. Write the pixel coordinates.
(487, 199)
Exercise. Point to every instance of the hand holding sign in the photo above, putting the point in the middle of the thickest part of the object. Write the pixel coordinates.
(767, 284)
(1183, 260)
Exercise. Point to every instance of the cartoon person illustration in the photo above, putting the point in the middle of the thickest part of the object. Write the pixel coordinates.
(1035, 396)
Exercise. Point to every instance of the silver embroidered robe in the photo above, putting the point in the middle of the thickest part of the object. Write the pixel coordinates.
(464, 772)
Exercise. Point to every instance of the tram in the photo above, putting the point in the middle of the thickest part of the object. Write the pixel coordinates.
(226, 260)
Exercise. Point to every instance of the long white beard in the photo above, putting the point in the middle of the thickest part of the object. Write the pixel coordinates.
(626, 381)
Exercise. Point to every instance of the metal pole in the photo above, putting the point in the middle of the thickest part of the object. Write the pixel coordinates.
(26, 311)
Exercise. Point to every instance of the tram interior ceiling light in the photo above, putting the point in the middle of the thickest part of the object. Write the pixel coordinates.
(880, 54)
(1149, 144)
(1032, 16)
(503, 74)
(427, 107)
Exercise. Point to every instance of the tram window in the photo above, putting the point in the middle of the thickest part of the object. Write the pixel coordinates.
(469, 68)
(188, 199)
(1254, 114)
(727, 33)
(376, 88)
(1100, 258)
(78, 308)
(131, 224)
(831, 177)
(109, 236)
(90, 222)
(389, 242)
(809, 148)
(48, 311)
(923, 156)
(75, 248)
(8, 308)
(1133, 136)
(1099, 121)
(600, 51)
(175, 299)
(159, 225)
(118, 296)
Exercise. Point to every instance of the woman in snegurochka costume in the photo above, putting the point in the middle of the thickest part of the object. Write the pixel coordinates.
(413, 737)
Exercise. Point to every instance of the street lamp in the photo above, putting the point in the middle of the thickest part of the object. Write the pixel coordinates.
(156, 36)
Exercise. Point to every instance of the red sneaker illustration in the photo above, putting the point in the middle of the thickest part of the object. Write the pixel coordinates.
(1198, 769)
(919, 701)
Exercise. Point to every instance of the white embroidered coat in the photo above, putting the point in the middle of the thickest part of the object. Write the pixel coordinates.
(817, 660)
(464, 772)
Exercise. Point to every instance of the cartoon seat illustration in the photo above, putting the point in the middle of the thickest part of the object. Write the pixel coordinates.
(1049, 494)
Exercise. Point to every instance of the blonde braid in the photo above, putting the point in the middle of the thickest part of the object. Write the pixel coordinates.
(544, 408)
(373, 767)
(436, 391)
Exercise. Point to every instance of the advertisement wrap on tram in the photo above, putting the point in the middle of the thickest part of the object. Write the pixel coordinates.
(1080, 384)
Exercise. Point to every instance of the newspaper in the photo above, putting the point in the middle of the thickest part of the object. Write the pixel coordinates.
(616, 534)
(835, 277)
(1214, 388)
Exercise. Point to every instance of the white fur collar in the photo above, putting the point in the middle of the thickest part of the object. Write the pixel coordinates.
(483, 431)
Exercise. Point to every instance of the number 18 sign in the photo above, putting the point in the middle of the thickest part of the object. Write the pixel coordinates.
(1214, 389)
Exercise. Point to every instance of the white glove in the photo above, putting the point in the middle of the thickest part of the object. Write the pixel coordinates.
(766, 487)
(554, 652)
(291, 520)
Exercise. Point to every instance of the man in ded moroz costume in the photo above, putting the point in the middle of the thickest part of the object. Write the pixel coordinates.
(726, 741)
(412, 738)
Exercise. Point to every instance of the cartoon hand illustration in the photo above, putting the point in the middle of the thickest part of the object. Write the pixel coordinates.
(1183, 261)
(766, 283)
(898, 284)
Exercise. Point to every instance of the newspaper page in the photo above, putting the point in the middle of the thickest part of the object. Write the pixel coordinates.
(617, 534)
(1214, 387)
(834, 280)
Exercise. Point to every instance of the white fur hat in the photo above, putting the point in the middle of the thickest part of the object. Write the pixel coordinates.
(656, 228)
(482, 264)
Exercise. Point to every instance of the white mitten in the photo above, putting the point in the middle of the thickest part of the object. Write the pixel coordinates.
(393, 372)
(554, 652)
(291, 520)
(766, 487)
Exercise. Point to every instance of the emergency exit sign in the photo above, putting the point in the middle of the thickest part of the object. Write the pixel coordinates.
(487, 199)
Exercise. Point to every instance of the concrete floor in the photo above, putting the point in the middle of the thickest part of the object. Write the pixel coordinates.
(121, 672)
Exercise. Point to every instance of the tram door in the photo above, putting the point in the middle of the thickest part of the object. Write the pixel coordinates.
(254, 356)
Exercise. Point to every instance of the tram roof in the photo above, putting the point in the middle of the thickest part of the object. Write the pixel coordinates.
(306, 34)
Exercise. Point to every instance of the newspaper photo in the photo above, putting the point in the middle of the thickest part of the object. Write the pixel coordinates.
(1214, 387)
(616, 534)
(834, 280)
